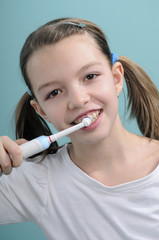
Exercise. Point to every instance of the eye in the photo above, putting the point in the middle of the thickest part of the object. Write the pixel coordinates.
(54, 93)
(91, 76)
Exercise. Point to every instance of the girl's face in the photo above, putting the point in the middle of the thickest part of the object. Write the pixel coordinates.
(73, 79)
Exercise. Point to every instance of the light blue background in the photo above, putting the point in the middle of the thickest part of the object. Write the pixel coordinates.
(132, 28)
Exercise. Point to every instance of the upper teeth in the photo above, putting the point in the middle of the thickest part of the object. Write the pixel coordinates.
(92, 115)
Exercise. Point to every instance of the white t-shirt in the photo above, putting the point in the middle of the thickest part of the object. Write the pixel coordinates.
(67, 204)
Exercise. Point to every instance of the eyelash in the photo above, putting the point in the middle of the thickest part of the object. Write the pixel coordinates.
(93, 76)
(54, 93)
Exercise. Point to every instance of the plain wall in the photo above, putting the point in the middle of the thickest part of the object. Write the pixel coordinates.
(132, 30)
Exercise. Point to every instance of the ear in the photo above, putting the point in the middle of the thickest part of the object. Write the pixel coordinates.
(38, 109)
(118, 75)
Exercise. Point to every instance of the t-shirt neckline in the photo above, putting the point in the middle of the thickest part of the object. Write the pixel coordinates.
(124, 187)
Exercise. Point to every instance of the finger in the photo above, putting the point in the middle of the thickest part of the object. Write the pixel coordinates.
(1, 171)
(5, 162)
(20, 141)
(6, 167)
(14, 151)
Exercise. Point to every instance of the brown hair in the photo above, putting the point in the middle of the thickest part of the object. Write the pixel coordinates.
(142, 94)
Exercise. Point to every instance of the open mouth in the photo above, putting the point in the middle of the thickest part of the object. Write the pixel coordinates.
(93, 115)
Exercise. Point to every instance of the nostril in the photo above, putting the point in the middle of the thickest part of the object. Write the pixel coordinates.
(78, 101)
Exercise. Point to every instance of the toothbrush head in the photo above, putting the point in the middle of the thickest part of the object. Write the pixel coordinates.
(87, 121)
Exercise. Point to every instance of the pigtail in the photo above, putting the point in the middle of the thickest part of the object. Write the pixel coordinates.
(143, 98)
(29, 124)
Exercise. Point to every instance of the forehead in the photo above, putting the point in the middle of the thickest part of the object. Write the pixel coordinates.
(64, 57)
(67, 47)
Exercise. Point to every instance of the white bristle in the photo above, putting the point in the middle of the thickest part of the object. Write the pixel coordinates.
(87, 121)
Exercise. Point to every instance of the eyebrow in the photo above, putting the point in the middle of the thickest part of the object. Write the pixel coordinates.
(89, 65)
(46, 85)
(81, 69)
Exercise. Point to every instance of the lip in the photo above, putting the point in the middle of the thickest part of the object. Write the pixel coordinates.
(95, 124)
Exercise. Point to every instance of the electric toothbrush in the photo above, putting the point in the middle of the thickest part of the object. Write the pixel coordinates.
(41, 143)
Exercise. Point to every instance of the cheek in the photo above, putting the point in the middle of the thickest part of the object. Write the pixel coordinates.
(109, 99)
(107, 92)
(56, 116)
(52, 112)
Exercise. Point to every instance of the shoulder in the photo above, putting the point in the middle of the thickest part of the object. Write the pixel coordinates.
(151, 153)
(53, 160)
(145, 151)
(40, 160)
(154, 149)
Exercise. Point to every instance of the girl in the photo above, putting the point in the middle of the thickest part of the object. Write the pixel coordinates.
(105, 184)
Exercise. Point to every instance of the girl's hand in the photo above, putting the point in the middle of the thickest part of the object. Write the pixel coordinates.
(10, 154)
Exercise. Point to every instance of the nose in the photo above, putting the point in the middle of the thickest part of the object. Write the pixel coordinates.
(78, 97)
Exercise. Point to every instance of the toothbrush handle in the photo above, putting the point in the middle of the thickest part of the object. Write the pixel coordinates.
(35, 146)
(41, 143)
(66, 132)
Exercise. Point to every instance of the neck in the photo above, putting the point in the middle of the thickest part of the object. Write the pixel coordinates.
(121, 157)
(102, 155)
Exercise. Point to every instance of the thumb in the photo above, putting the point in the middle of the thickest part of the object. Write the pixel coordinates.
(21, 141)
